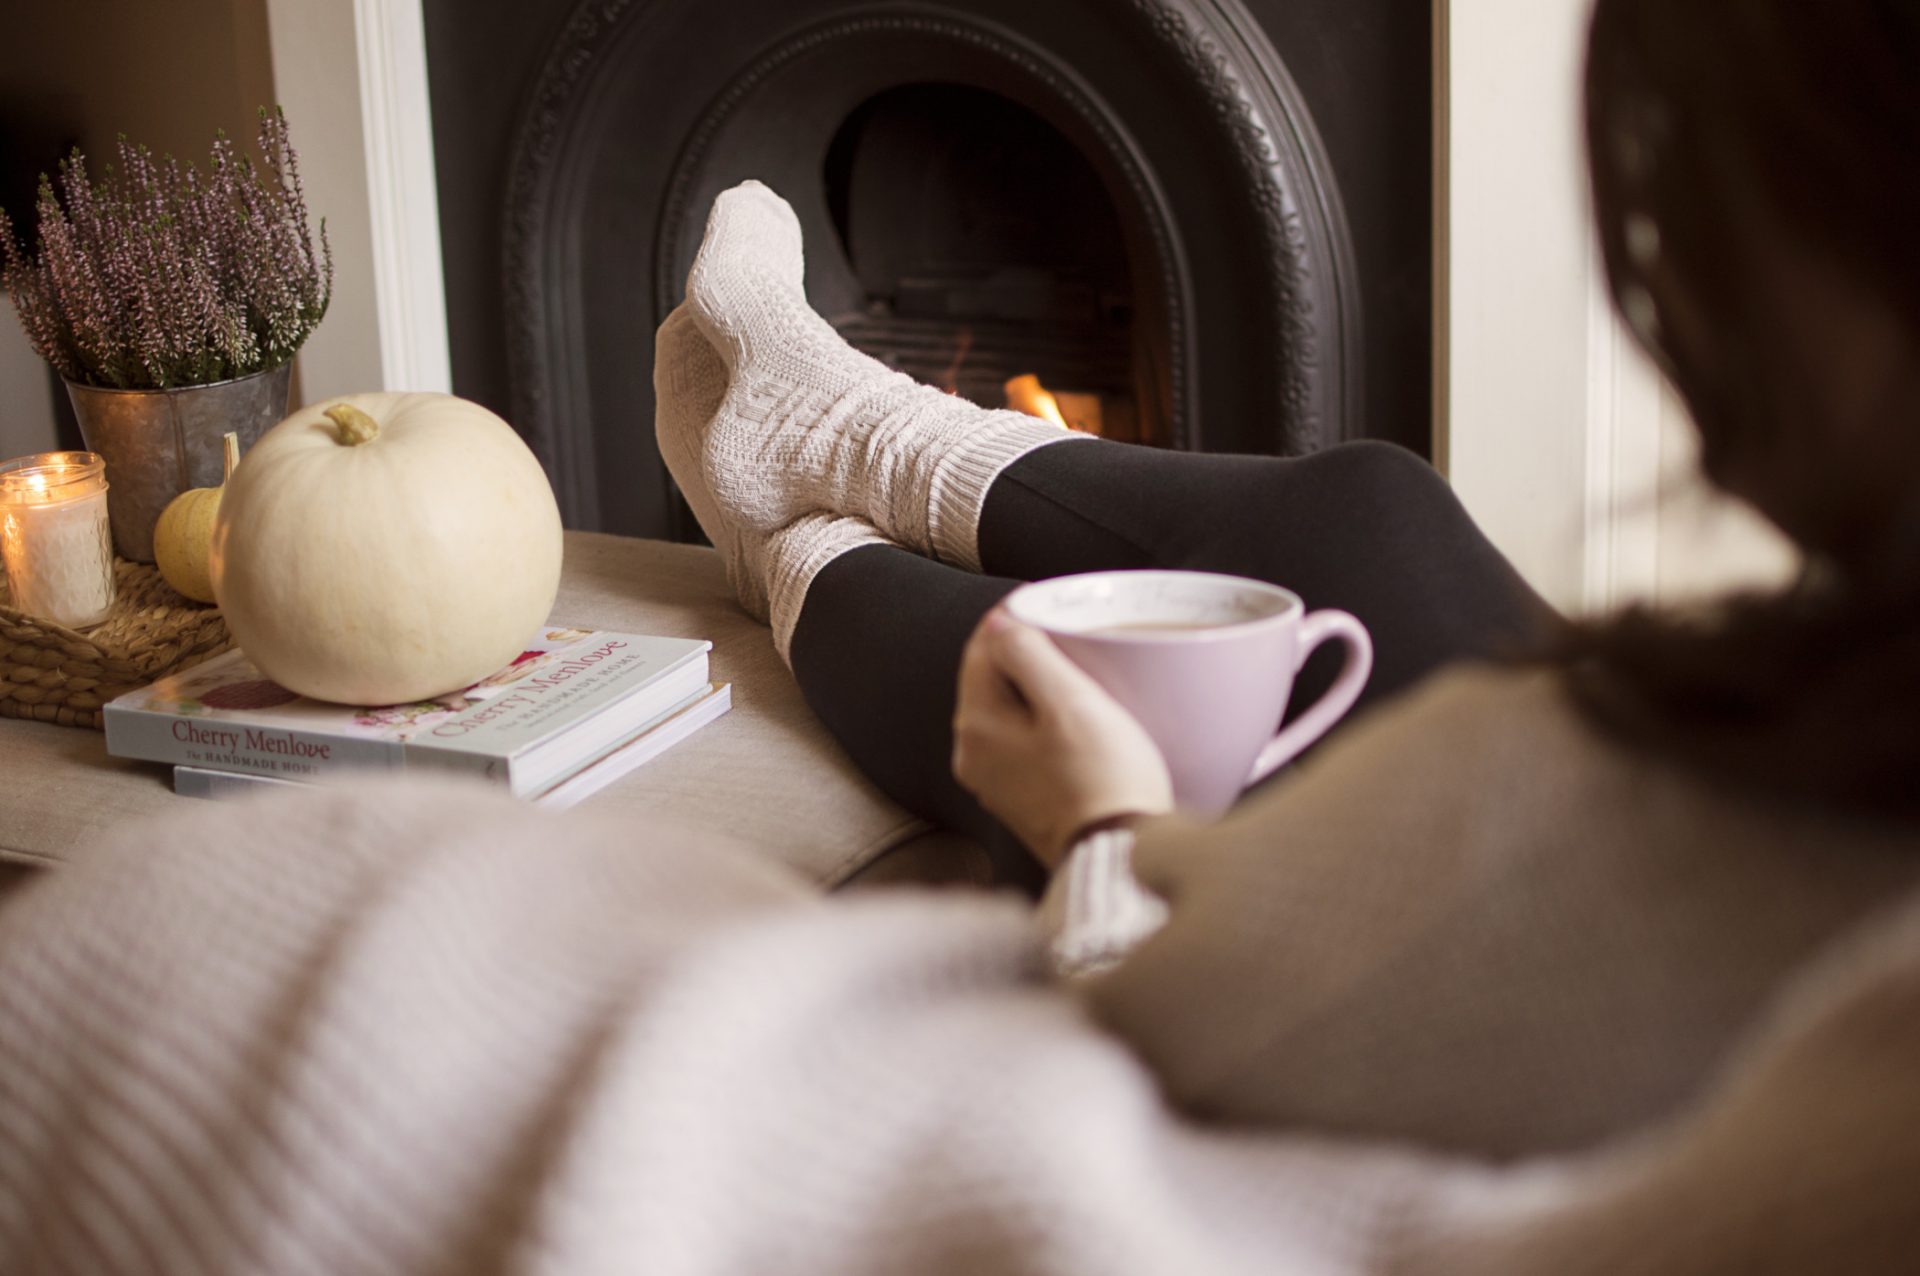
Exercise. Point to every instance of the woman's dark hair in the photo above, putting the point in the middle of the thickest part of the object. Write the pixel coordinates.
(1756, 174)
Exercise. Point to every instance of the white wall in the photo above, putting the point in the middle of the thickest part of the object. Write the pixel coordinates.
(1555, 431)
(351, 75)
(26, 393)
(168, 76)
(316, 83)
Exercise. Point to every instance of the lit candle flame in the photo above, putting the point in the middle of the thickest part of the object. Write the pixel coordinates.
(47, 482)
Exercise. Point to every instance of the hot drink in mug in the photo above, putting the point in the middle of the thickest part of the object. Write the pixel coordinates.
(1205, 663)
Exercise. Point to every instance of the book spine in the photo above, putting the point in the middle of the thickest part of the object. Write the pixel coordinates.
(231, 746)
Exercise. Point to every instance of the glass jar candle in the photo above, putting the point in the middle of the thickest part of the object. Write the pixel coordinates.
(54, 537)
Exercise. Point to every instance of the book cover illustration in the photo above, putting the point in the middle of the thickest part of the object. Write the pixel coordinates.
(229, 684)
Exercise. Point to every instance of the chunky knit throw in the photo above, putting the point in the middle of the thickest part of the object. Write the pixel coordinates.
(1470, 993)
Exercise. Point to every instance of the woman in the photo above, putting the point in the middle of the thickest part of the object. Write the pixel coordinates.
(1610, 963)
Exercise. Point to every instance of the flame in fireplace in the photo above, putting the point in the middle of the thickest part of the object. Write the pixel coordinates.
(1026, 394)
(1082, 413)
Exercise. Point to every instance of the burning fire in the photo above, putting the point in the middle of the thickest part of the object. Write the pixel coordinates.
(1080, 412)
(1026, 394)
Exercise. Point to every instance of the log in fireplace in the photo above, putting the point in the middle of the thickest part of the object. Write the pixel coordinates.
(1128, 203)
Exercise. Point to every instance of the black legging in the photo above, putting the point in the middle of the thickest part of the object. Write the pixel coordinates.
(1366, 527)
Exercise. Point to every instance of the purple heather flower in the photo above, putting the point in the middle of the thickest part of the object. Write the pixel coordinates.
(160, 275)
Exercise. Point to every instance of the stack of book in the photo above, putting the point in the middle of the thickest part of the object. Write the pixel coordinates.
(575, 712)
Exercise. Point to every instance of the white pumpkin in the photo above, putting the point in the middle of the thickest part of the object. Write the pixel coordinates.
(386, 548)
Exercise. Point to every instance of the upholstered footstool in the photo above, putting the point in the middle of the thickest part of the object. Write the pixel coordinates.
(767, 774)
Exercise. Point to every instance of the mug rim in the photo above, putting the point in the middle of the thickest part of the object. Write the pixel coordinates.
(1292, 612)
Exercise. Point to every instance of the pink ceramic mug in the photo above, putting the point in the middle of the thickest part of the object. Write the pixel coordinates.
(1205, 663)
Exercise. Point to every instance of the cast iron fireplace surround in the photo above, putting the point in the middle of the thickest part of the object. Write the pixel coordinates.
(1124, 195)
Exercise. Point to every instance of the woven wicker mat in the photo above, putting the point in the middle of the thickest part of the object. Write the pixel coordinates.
(53, 674)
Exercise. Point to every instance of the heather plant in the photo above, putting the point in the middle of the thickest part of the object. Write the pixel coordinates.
(161, 275)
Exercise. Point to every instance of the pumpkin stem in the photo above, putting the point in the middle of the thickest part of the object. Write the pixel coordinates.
(232, 445)
(356, 427)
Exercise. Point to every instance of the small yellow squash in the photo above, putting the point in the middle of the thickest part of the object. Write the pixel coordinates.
(183, 538)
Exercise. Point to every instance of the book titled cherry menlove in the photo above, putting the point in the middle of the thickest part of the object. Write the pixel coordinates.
(571, 698)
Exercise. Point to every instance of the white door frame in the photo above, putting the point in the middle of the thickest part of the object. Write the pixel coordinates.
(1555, 430)
(352, 76)
(1547, 420)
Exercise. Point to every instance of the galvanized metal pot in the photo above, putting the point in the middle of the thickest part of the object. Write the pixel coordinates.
(160, 443)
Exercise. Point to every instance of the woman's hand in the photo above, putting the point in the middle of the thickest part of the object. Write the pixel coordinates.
(1043, 746)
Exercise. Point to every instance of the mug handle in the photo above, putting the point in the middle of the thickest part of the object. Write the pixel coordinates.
(1319, 627)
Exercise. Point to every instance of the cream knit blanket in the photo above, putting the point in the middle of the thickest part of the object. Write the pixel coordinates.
(423, 1030)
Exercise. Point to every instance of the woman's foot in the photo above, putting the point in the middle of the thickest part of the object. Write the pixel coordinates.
(808, 423)
(770, 571)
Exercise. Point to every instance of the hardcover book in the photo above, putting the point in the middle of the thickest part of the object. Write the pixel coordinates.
(683, 721)
(571, 697)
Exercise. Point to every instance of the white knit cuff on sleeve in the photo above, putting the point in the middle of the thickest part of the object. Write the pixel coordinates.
(1095, 912)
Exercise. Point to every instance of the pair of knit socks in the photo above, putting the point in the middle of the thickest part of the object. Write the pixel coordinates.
(790, 446)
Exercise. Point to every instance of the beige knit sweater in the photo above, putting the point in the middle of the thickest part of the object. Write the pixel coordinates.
(1471, 993)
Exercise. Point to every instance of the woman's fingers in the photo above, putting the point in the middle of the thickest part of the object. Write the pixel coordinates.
(982, 683)
(1042, 744)
(1040, 671)
(986, 707)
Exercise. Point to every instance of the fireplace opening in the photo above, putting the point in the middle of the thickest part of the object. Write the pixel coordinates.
(991, 260)
(1116, 214)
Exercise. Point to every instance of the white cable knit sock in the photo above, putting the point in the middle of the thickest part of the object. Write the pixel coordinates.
(689, 381)
(810, 423)
(770, 571)
(795, 554)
